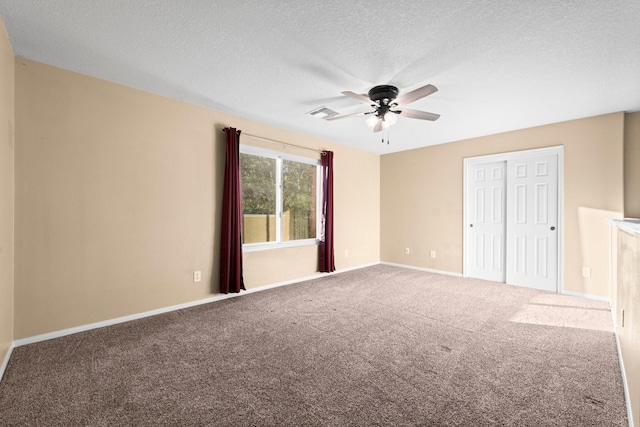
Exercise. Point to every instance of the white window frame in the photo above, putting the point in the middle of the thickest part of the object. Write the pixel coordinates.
(279, 156)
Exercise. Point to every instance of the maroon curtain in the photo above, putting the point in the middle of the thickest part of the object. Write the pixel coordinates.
(325, 258)
(231, 242)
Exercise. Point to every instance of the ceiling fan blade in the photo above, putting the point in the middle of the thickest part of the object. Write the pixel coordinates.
(415, 114)
(415, 94)
(378, 126)
(362, 98)
(349, 115)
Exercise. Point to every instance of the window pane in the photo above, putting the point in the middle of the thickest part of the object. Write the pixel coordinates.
(258, 176)
(299, 200)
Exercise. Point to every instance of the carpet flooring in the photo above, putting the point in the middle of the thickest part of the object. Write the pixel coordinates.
(379, 346)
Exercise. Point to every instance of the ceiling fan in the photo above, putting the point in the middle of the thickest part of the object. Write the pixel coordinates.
(387, 105)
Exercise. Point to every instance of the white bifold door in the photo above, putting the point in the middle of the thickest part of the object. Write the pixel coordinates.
(532, 222)
(486, 222)
(511, 220)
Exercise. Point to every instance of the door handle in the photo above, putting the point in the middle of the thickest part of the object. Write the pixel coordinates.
(553, 228)
(470, 225)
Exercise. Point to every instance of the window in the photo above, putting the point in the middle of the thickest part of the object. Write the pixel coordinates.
(280, 199)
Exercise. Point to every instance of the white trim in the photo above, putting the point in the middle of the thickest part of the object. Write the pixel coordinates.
(137, 316)
(625, 385)
(254, 247)
(557, 150)
(279, 157)
(583, 295)
(319, 197)
(279, 203)
(465, 166)
(560, 151)
(428, 270)
(499, 157)
(5, 362)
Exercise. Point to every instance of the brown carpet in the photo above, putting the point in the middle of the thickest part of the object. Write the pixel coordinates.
(380, 346)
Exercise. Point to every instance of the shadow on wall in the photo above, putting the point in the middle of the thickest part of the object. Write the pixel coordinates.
(596, 250)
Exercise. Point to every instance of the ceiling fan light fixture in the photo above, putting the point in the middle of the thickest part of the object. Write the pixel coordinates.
(390, 118)
(372, 120)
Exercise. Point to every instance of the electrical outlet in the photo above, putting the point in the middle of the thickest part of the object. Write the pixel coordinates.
(197, 276)
(433, 254)
(586, 272)
(346, 253)
(406, 251)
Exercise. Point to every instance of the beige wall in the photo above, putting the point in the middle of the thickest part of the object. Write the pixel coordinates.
(422, 191)
(117, 196)
(628, 295)
(6, 191)
(632, 165)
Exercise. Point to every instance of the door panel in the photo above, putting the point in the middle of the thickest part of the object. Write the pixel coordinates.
(485, 221)
(532, 229)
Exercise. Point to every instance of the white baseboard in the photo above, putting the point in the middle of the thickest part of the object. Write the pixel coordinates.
(428, 270)
(136, 316)
(5, 362)
(625, 385)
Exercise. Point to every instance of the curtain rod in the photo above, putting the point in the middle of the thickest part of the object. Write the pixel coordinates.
(323, 152)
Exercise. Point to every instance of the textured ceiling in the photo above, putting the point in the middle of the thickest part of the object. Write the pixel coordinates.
(499, 65)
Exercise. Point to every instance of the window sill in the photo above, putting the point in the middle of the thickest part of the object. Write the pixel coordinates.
(254, 247)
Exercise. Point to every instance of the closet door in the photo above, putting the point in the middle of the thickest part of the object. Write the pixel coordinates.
(485, 221)
(532, 222)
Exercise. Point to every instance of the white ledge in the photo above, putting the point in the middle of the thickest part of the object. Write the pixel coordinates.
(630, 225)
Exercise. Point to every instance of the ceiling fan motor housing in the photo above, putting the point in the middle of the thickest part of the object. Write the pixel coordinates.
(382, 92)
